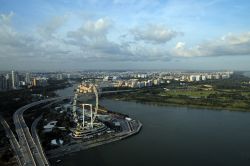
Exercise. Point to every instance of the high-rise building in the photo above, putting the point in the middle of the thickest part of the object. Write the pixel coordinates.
(192, 78)
(8, 81)
(27, 78)
(197, 78)
(3, 83)
(156, 82)
(34, 82)
(59, 76)
(203, 78)
(39, 81)
(14, 79)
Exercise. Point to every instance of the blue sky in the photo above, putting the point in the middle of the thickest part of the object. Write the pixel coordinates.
(119, 34)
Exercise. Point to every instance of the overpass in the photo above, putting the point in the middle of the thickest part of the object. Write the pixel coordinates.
(31, 153)
(13, 141)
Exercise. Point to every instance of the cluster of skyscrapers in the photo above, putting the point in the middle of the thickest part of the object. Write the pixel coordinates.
(10, 81)
(14, 80)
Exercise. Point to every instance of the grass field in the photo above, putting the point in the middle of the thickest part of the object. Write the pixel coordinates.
(190, 93)
(232, 99)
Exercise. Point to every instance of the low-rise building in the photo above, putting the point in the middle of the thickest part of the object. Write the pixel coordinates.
(56, 142)
(49, 127)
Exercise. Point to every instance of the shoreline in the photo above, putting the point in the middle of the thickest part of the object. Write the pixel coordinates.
(66, 149)
(183, 105)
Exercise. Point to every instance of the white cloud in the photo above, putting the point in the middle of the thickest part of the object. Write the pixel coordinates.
(92, 30)
(92, 38)
(236, 39)
(49, 29)
(6, 31)
(15, 46)
(180, 45)
(6, 18)
(229, 45)
(154, 33)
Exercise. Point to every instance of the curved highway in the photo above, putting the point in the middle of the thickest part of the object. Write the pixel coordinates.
(35, 134)
(37, 140)
(31, 152)
(13, 141)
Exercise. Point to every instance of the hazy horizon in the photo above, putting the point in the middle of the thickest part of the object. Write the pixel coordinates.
(122, 35)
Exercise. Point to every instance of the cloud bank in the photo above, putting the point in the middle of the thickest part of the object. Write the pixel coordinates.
(94, 41)
(155, 34)
(228, 45)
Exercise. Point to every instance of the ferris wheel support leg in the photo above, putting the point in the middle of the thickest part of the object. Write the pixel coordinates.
(83, 113)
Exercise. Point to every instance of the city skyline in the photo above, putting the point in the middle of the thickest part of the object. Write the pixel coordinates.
(80, 35)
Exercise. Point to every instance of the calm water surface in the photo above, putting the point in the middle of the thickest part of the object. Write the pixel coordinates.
(174, 136)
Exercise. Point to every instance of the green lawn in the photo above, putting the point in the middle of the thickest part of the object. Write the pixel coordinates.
(227, 99)
(189, 93)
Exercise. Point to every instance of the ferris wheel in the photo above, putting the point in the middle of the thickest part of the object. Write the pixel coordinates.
(86, 88)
